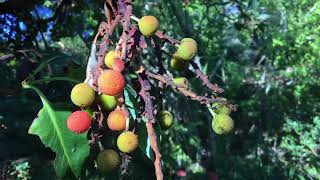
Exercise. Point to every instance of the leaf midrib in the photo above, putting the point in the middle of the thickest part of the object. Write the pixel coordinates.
(53, 120)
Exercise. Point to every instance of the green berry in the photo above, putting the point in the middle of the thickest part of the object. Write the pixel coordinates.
(108, 103)
(108, 161)
(221, 109)
(222, 124)
(165, 119)
(187, 50)
(181, 81)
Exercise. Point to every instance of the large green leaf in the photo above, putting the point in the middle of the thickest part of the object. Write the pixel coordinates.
(71, 149)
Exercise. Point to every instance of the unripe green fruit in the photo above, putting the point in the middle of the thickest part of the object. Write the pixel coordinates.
(188, 40)
(108, 103)
(108, 160)
(222, 124)
(127, 142)
(182, 82)
(165, 119)
(148, 25)
(82, 95)
(221, 109)
(178, 64)
(187, 50)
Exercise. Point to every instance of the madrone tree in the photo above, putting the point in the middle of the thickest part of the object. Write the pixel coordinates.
(115, 78)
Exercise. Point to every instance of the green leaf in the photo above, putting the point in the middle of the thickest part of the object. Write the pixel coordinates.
(71, 149)
(131, 101)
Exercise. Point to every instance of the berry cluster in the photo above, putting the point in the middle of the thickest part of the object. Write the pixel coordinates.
(111, 84)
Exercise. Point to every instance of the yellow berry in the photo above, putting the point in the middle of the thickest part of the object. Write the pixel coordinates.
(165, 119)
(108, 160)
(127, 142)
(181, 81)
(222, 124)
(108, 103)
(110, 57)
(82, 95)
(178, 64)
(148, 25)
(186, 50)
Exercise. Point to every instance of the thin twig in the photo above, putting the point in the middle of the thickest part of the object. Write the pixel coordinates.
(214, 87)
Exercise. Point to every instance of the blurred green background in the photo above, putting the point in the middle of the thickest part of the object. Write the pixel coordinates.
(265, 54)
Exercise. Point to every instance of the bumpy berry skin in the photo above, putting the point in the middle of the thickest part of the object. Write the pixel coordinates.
(118, 65)
(148, 25)
(127, 142)
(79, 122)
(222, 124)
(110, 57)
(221, 109)
(108, 160)
(182, 82)
(178, 64)
(108, 103)
(117, 120)
(165, 119)
(186, 50)
(111, 82)
(82, 95)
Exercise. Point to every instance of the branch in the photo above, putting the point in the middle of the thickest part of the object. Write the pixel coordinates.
(214, 87)
(7, 57)
(190, 94)
(148, 113)
(165, 37)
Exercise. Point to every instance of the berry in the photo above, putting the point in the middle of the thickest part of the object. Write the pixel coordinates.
(181, 81)
(108, 160)
(222, 124)
(117, 120)
(110, 57)
(165, 119)
(178, 64)
(148, 25)
(221, 109)
(186, 50)
(118, 65)
(82, 95)
(79, 122)
(108, 103)
(127, 142)
(111, 82)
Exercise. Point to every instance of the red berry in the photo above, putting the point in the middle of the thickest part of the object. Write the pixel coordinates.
(79, 121)
(118, 65)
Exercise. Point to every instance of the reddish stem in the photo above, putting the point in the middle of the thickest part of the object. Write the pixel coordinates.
(145, 87)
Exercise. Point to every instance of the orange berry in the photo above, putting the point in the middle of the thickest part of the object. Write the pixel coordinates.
(117, 120)
(111, 82)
